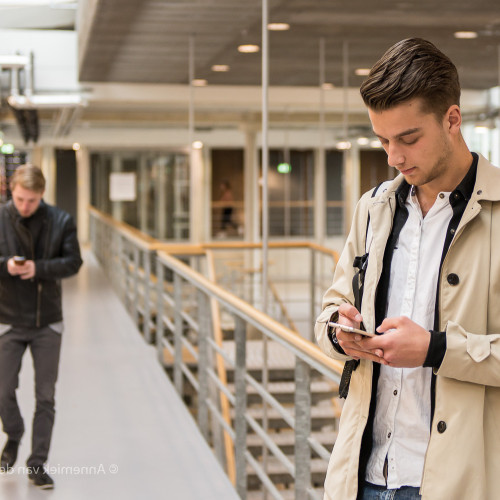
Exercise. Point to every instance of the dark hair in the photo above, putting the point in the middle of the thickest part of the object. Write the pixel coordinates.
(28, 177)
(409, 69)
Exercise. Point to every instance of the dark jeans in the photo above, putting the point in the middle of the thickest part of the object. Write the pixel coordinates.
(374, 492)
(45, 347)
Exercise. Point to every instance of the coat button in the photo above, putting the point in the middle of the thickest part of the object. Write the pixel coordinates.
(453, 279)
(441, 426)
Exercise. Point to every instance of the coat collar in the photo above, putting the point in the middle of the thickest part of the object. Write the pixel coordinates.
(486, 187)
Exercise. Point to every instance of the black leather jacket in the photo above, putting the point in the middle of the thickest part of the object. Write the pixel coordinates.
(36, 302)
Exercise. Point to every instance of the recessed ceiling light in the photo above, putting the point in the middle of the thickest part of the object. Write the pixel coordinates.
(278, 26)
(222, 68)
(197, 145)
(327, 86)
(363, 141)
(199, 82)
(362, 71)
(376, 144)
(248, 48)
(76, 146)
(466, 35)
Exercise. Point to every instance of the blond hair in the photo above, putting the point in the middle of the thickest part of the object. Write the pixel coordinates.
(28, 177)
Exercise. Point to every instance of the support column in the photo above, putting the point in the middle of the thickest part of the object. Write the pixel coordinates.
(83, 193)
(320, 195)
(48, 166)
(196, 202)
(251, 187)
(352, 177)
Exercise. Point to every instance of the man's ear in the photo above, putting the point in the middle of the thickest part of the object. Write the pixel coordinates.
(453, 119)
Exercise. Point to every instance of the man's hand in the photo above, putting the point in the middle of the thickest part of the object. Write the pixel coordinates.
(403, 343)
(25, 271)
(351, 343)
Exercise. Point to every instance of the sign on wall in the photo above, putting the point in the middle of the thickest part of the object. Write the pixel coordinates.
(122, 186)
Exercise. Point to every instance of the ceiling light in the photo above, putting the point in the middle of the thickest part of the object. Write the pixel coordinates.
(7, 148)
(375, 144)
(481, 129)
(248, 48)
(199, 82)
(363, 141)
(76, 146)
(362, 71)
(343, 145)
(466, 35)
(197, 145)
(278, 26)
(327, 86)
(221, 68)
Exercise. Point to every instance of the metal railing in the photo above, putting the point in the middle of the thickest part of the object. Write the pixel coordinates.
(177, 307)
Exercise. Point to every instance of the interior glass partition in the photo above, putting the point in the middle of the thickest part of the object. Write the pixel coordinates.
(160, 206)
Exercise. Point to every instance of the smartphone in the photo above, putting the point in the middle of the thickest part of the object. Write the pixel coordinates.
(18, 260)
(351, 329)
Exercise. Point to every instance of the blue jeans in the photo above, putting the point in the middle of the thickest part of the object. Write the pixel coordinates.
(374, 492)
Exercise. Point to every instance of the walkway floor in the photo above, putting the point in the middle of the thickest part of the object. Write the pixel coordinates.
(121, 431)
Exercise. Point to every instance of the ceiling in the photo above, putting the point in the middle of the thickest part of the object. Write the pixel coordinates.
(147, 41)
(127, 47)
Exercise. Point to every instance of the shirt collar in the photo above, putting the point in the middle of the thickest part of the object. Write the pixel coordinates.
(466, 186)
(462, 192)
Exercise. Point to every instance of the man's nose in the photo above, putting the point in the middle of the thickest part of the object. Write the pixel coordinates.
(395, 156)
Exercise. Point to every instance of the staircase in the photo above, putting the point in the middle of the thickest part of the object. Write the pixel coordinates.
(325, 411)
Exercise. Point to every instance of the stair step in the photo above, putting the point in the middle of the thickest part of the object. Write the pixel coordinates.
(321, 416)
(279, 475)
(286, 441)
(284, 392)
(286, 494)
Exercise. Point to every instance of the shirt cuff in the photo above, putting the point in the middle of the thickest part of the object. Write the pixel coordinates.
(437, 350)
(333, 336)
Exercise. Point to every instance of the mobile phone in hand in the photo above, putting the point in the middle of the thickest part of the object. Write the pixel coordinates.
(351, 329)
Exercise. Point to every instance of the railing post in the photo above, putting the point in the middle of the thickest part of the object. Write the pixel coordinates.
(240, 423)
(159, 311)
(302, 428)
(178, 333)
(203, 326)
(146, 320)
(135, 287)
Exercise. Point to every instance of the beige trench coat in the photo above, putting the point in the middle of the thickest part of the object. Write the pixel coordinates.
(463, 462)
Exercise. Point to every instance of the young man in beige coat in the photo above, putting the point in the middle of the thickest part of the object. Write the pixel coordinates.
(422, 416)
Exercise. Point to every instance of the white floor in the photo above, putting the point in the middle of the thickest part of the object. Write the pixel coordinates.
(121, 431)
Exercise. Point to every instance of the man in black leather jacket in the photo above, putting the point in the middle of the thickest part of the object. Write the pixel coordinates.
(38, 247)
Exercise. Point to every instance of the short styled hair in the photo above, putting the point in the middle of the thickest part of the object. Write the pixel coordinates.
(412, 68)
(28, 177)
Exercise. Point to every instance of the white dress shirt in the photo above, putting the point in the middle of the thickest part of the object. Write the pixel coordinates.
(401, 428)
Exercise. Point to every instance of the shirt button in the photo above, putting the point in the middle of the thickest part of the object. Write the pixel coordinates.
(395, 392)
(390, 434)
(441, 427)
(452, 231)
(456, 196)
(453, 279)
(441, 195)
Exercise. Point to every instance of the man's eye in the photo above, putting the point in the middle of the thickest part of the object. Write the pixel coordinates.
(408, 142)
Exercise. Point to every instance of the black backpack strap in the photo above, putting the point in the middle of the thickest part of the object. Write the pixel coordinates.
(358, 281)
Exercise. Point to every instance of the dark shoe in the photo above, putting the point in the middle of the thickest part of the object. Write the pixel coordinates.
(40, 478)
(9, 455)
